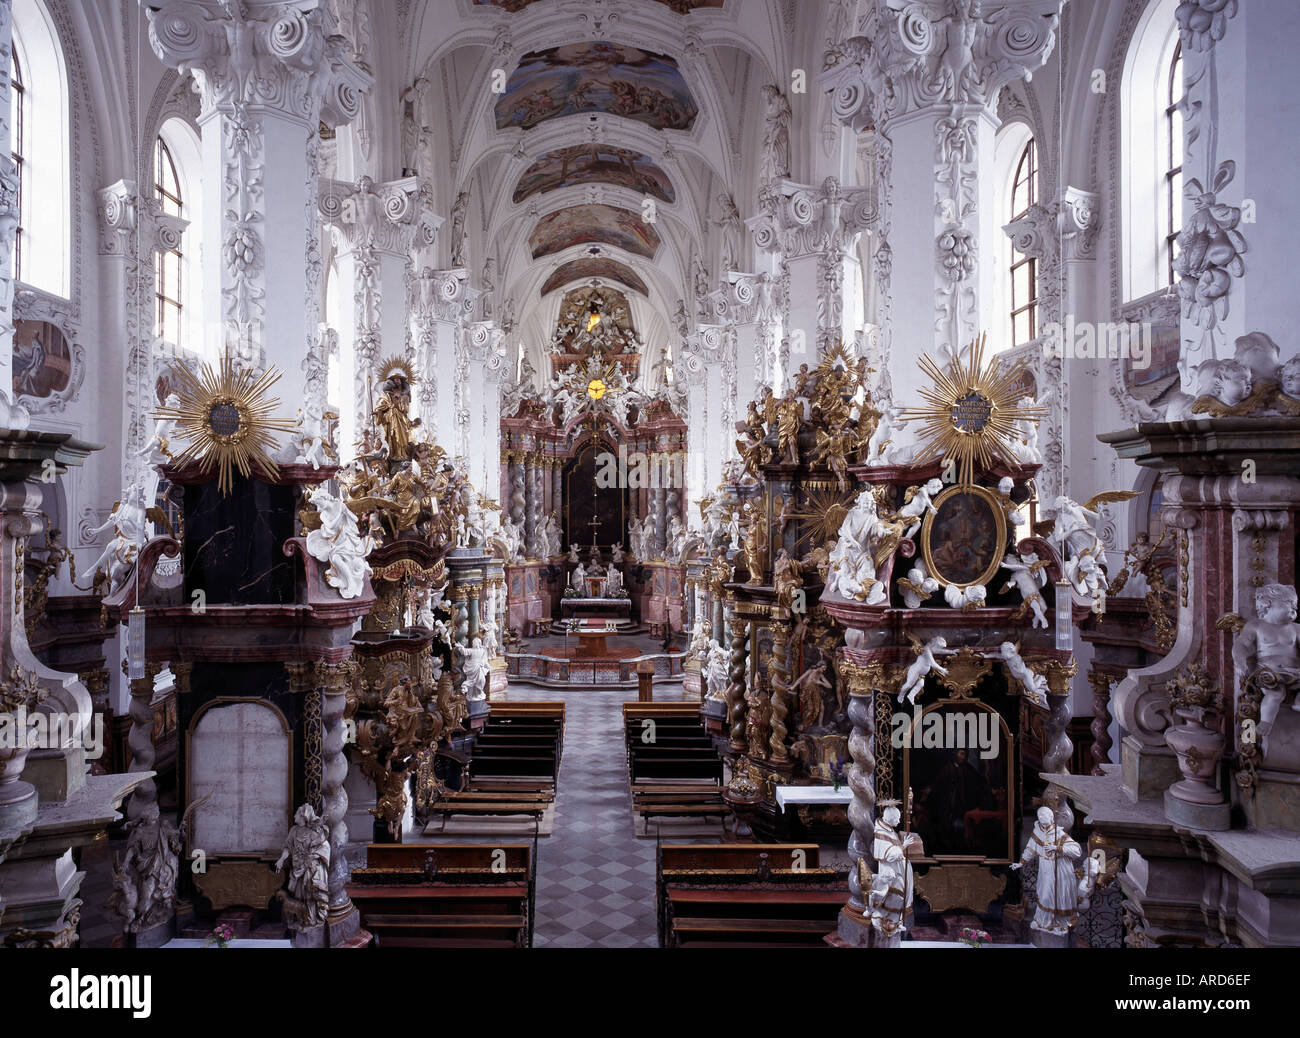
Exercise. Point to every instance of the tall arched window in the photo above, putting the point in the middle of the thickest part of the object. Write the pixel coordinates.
(41, 146)
(1024, 269)
(178, 187)
(168, 264)
(1173, 160)
(18, 148)
(1151, 151)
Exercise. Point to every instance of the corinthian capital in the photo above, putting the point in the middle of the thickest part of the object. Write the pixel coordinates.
(914, 54)
(123, 213)
(801, 220)
(282, 55)
(392, 217)
(445, 295)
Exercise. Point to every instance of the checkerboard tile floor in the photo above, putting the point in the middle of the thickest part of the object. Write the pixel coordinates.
(595, 879)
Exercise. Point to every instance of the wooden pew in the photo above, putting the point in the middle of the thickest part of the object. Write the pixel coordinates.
(447, 895)
(746, 895)
(680, 747)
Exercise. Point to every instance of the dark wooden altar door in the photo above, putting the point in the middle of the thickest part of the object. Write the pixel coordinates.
(584, 499)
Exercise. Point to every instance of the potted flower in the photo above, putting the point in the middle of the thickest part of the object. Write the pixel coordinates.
(836, 771)
(221, 936)
(973, 938)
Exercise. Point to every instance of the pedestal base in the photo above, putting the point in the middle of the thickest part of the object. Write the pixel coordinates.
(18, 809)
(1147, 770)
(1214, 817)
(154, 937)
(1043, 939)
(854, 928)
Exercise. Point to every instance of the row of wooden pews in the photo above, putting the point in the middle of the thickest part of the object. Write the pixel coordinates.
(673, 767)
(746, 895)
(448, 895)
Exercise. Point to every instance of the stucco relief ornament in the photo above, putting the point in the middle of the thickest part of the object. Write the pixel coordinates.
(956, 248)
(1202, 23)
(1209, 250)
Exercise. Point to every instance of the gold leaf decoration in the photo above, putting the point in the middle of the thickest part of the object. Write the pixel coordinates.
(225, 417)
(971, 413)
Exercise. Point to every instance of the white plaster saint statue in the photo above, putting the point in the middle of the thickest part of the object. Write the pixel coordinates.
(852, 572)
(925, 662)
(1058, 896)
(1025, 440)
(459, 211)
(476, 667)
(1073, 530)
(1028, 577)
(417, 126)
(1035, 684)
(1272, 641)
(715, 671)
(430, 600)
(307, 850)
(918, 502)
(730, 224)
(130, 531)
(776, 136)
(488, 633)
(890, 899)
(578, 580)
(614, 583)
(676, 538)
(339, 544)
(157, 452)
(144, 881)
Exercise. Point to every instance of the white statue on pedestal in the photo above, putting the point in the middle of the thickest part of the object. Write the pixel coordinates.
(476, 668)
(1058, 897)
(852, 572)
(676, 539)
(307, 850)
(614, 583)
(616, 554)
(1025, 443)
(1028, 577)
(890, 899)
(925, 661)
(715, 671)
(309, 441)
(573, 554)
(1035, 684)
(338, 544)
(578, 580)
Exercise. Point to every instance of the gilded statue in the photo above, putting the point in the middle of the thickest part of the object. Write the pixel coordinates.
(787, 579)
(393, 418)
(789, 417)
(756, 548)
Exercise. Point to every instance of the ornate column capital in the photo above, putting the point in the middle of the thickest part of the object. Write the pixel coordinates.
(803, 220)
(485, 345)
(445, 295)
(123, 214)
(283, 56)
(394, 217)
(913, 55)
(1066, 228)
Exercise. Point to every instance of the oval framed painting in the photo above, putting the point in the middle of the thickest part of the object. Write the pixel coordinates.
(964, 539)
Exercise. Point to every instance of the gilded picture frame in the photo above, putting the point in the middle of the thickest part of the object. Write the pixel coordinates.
(963, 541)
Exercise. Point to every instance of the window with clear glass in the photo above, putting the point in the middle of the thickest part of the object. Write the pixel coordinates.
(168, 264)
(1024, 269)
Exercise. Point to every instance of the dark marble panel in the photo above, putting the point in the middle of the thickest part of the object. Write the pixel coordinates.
(233, 543)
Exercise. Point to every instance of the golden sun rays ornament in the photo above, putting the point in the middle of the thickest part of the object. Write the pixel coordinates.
(226, 418)
(973, 412)
(396, 367)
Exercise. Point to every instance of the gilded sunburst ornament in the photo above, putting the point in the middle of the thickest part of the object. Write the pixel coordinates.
(972, 412)
(225, 417)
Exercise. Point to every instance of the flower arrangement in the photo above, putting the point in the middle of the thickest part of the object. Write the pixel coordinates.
(574, 625)
(836, 771)
(973, 938)
(221, 936)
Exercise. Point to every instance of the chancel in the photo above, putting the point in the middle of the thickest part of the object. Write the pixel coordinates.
(648, 473)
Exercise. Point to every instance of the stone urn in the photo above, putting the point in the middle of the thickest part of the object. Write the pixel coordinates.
(19, 693)
(1198, 742)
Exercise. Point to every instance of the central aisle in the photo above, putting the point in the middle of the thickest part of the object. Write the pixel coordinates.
(595, 879)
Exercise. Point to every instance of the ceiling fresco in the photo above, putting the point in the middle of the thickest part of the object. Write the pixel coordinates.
(597, 77)
(594, 267)
(588, 163)
(605, 224)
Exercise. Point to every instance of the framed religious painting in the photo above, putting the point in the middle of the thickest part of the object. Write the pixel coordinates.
(964, 539)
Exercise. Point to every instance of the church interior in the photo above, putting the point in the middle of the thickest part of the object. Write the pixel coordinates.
(718, 474)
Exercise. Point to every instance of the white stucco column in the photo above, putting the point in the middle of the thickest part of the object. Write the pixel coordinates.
(928, 82)
(268, 75)
(376, 229)
(10, 417)
(444, 306)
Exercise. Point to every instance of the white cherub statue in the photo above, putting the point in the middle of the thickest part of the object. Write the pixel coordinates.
(1028, 577)
(972, 597)
(925, 661)
(1035, 684)
(917, 586)
(919, 501)
(1271, 641)
(616, 555)
(573, 554)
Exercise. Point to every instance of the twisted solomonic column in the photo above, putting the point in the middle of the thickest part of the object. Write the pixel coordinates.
(335, 679)
(736, 683)
(778, 667)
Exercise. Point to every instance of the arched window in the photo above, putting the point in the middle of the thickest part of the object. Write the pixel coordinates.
(1173, 160)
(41, 148)
(168, 267)
(178, 187)
(1151, 151)
(18, 148)
(1024, 269)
